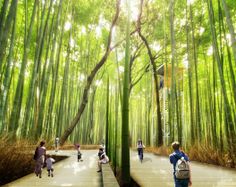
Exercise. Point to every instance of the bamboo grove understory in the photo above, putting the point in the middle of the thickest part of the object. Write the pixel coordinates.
(119, 70)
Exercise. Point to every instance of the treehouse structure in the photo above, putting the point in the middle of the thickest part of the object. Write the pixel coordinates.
(165, 86)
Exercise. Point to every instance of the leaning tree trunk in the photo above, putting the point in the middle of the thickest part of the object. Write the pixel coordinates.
(152, 60)
(90, 78)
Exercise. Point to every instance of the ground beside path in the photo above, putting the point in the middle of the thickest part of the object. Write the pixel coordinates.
(68, 172)
(157, 171)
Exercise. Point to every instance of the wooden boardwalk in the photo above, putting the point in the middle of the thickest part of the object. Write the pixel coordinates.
(155, 171)
(68, 172)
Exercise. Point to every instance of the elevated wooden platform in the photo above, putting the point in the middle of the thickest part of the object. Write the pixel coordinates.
(108, 177)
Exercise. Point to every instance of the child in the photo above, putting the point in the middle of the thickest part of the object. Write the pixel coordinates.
(79, 153)
(49, 163)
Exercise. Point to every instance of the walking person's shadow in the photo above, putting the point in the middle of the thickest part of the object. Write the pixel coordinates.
(147, 159)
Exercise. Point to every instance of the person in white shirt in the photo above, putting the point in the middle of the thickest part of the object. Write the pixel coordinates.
(56, 144)
(49, 163)
(103, 159)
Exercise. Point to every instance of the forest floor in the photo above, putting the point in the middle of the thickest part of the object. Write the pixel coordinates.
(153, 171)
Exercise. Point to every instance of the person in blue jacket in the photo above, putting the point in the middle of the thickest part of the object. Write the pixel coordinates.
(174, 157)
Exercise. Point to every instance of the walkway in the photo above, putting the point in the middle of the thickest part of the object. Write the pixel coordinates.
(157, 171)
(154, 171)
(68, 172)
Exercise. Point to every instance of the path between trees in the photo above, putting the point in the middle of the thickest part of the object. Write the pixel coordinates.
(157, 171)
(154, 171)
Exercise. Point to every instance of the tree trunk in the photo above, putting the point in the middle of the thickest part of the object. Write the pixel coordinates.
(15, 115)
(198, 115)
(231, 28)
(229, 123)
(5, 27)
(125, 154)
(152, 61)
(7, 80)
(90, 78)
(191, 110)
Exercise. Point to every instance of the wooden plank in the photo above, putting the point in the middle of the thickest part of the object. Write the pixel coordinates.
(108, 176)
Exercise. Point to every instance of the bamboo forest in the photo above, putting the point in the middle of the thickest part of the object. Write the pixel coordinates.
(113, 72)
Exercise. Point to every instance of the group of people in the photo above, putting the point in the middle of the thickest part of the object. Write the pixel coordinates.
(179, 160)
(102, 157)
(41, 158)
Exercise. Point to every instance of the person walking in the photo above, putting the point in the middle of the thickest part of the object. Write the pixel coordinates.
(140, 148)
(181, 166)
(49, 163)
(56, 144)
(79, 154)
(40, 155)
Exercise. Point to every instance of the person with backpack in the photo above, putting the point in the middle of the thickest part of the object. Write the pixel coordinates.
(181, 166)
